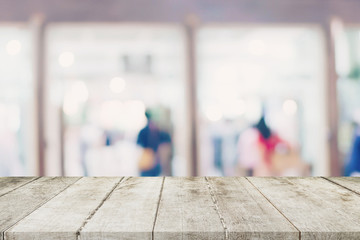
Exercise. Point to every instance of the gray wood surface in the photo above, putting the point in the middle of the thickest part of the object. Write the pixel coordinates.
(8, 184)
(19, 203)
(129, 213)
(65, 214)
(187, 211)
(246, 213)
(352, 183)
(317, 207)
(179, 208)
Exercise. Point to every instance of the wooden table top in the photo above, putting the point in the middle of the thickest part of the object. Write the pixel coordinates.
(179, 208)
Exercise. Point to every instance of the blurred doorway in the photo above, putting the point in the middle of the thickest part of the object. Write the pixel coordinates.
(246, 71)
(101, 78)
(17, 101)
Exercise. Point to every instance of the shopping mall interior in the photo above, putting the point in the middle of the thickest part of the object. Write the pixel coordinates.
(234, 88)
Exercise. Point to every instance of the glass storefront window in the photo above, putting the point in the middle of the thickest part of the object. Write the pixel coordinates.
(348, 90)
(245, 73)
(17, 117)
(102, 78)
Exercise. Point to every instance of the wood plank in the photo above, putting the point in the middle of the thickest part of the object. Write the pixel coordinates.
(8, 184)
(187, 211)
(129, 213)
(352, 183)
(65, 214)
(247, 214)
(318, 208)
(22, 201)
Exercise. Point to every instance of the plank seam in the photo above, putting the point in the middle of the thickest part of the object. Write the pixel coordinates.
(215, 201)
(39, 206)
(107, 196)
(275, 207)
(32, 180)
(338, 184)
(157, 208)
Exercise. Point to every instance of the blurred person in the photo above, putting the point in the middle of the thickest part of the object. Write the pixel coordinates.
(263, 153)
(256, 146)
(156, 149)
(352, 168)
(268, 141)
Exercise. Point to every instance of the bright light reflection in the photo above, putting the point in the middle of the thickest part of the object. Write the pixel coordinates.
(234, 109)
(128, 115)
(77, 94)
(253, 109)
(135, 115)
(80, 91)
(13, 47)
(290, 107)
(117, 85)
(66, 59)
(70, 106)
(213, 113)
(111, 113)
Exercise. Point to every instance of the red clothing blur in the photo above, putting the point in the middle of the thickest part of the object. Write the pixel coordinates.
(269, 146)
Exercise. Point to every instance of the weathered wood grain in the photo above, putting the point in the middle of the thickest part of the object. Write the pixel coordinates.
(179, 208)
(8, 184)
(352, 183)
(318, 208)
(129, 213)
(65, 214)
(247, 214)
(187, 211)
(17, 204)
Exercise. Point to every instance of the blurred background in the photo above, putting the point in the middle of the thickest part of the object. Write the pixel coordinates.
(183, 88)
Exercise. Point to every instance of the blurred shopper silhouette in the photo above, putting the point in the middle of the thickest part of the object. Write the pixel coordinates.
(255, 155)
(156, 149)
(261, 152)
(352, 167)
